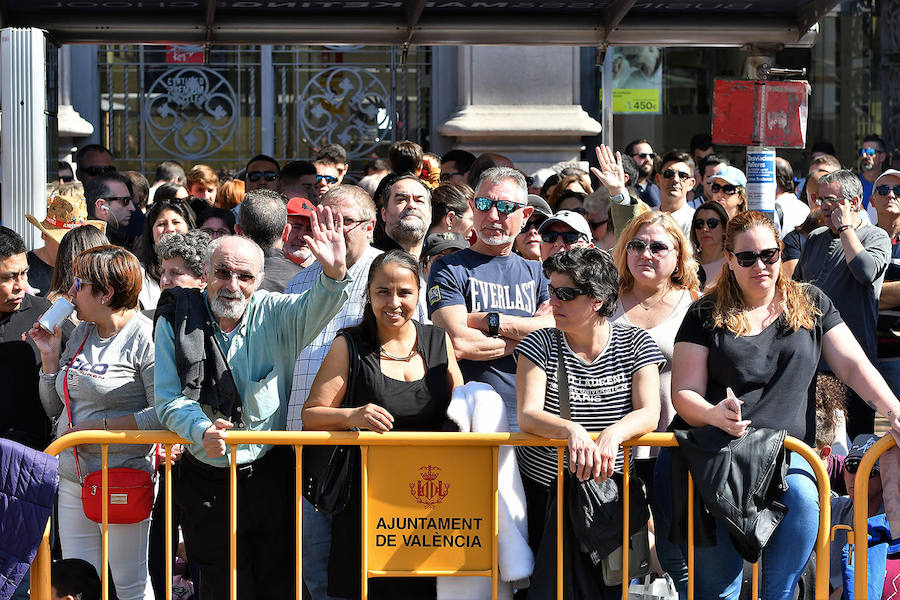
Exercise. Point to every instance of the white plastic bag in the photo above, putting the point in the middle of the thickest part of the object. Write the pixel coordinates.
(653, 587)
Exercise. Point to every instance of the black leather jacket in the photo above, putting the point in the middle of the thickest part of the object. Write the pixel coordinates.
(738, 481)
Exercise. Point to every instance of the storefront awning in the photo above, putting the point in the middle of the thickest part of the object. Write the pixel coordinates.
(424, 22)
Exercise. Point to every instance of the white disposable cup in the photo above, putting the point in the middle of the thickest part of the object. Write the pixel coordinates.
(56, 314)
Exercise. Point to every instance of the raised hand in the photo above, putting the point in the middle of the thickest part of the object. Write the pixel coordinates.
(327, 242)
(611, 173)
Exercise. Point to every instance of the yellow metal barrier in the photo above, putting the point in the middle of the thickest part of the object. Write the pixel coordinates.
(40, 574)
(861, 517)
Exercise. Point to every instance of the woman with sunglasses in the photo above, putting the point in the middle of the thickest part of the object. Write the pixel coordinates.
(166, 216)
(612, 372)
(708, 237)
(657, 283)
(728, 189)
(106, 371)
(402, 380)
(747, 354)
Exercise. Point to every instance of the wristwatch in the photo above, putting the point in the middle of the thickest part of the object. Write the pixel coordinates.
(493, 319)
(620, 198)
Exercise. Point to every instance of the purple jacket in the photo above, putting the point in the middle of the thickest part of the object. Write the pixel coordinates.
(28, 482)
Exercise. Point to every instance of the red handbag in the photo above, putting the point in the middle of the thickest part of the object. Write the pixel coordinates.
(129, 491)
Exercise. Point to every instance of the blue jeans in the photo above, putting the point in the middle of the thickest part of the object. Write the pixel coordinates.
(316, 548)
(718, 569)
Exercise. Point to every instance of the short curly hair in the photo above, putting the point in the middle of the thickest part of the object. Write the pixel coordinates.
(189, 247)
(593, 271)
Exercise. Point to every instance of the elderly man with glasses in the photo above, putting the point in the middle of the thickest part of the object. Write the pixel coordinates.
(847, 259)
(487, 297)
(224, 359)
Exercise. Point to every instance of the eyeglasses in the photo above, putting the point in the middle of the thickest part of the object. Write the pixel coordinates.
(257, 175)
(446, 175)
(711, 223)
(565, 294)
(851, 465)
(747, 258)
(504, 207)
(67, 178)
(820, 200)
(657, 249)
(331, 179)
(727, 189)
(79, 283)
(596, 224)
(884, 190)
(122, 199)
(868, 151)
(671, 173)
(350, 224)
(644, 155)
(532, 224)
(215, 233)
(568, 237)
(226, 275)
(94, 171)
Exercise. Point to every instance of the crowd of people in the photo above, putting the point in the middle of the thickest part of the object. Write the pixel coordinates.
(599, 304)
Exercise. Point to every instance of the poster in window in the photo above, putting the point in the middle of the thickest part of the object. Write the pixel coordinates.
(636, 78)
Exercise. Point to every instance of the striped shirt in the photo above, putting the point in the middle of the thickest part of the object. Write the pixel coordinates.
(599, 392)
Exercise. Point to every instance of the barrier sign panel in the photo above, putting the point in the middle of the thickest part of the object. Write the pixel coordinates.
(761, 190)
(430, 508)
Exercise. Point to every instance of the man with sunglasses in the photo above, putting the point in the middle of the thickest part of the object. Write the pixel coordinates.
(236, 373)
(487, 297)
(847, 260)
(871, 160)
(261, 173)
(886, 201)
(109, 199)
(91, 161)
(563, 231)
(675, 179)
(641, 152)
(327, 177)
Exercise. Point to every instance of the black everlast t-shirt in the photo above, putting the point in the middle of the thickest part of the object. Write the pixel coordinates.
(773, 372)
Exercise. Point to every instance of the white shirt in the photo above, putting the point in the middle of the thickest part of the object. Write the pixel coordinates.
(794, 211)
(684, 216)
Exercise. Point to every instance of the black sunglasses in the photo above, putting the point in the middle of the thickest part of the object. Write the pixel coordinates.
(122, 199)
(446, 175)
(257, 175)
(670, 173)
(94, 171)
(644, 154)
(657, 249)
(565, 294)
(727, 189)
(747, 258)
(568, 237)
(711, 223)
(884, 190)
(596, 224)
(67, 179)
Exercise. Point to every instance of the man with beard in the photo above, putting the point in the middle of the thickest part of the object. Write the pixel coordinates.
(642, 153)
(358, 211)
(871, 157)
(487, 297)
(406, 214)
(847, 259)
(224, 359)
(886, 200)
(295, 248)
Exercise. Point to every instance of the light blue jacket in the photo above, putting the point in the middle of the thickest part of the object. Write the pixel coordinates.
(261, 354)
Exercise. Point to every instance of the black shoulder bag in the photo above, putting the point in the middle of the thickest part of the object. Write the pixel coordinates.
(328, 470)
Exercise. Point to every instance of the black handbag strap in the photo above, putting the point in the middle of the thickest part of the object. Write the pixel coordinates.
(562, 379)
(353, 350)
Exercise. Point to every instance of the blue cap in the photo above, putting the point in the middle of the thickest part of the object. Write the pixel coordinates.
(730, 174)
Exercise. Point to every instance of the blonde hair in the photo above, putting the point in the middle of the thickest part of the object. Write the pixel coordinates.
(729, 310)
(686, 267)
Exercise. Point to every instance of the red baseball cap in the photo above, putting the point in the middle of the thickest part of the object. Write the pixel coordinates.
(300, 207)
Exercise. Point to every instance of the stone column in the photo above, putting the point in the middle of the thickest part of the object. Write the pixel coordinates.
(522, 102)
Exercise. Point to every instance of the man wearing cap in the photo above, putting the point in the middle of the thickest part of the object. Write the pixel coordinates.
(847, 260)
(295, 248)
(886, 201)
(22, 417)
(675, 179)
(438, 245)
(486, 297)
(356, 208)
(263, 219)
(66, 210)
(528, 241)
(563, 231)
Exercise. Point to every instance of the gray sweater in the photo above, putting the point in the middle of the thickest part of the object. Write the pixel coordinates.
(110, 378)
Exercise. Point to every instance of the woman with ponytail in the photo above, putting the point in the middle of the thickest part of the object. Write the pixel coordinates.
(746, 355)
